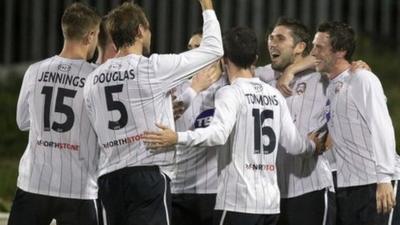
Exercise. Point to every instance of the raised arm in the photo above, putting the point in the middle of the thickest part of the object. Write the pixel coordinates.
(172, 68)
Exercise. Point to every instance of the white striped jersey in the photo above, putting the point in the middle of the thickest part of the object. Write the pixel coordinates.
(330, 156)
(361, 129)
(299, 175)
(61, 157)
(256, 118)
(196, 167)
(127, 95)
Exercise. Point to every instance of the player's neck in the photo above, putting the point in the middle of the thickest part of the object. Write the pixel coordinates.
(100, 57)
(340, 66)
(74, 50)
(235, 72)
(133, 49)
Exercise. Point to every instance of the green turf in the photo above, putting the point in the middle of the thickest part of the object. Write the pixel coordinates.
(8, 179)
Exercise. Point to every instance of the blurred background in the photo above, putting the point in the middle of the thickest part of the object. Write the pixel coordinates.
(31, 31)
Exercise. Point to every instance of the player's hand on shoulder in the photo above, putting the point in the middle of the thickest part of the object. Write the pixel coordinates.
(205, 78)
(159, 141)
(283, 84)
(385, 198)
(305, 63)
(359, 64)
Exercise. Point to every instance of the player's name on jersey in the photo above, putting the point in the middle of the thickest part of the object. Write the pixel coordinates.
(114, 76)
(255, 99)
(61, 146)
(123, 141)
(263, 167)
(62, 78)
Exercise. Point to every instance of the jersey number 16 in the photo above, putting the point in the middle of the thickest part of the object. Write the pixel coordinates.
(260, 131)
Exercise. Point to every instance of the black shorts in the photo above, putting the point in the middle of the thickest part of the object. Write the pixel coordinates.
(35, 209)
(334, 177)
(314, 208)
(193, 209)
(236, 218)
(357, 205)
(135, 195)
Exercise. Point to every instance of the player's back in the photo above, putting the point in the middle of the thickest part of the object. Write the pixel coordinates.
(125, 97)
(248, 179)
(61, 156)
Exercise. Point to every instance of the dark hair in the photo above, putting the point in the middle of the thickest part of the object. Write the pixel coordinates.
(341, 35)
(104, 36)
(123, 24)
(299, 31)
(77, 20)
(240, 46)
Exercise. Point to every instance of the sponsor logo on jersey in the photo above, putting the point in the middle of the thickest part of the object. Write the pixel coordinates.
(59, 145)
(258, 87)
(123, 141)
(204, 119)
(301, 88)
(64, 67)
(265, 167)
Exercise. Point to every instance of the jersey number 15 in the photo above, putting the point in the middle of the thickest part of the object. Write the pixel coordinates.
(60, 107)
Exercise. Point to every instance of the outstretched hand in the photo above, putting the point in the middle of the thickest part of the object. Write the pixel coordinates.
(158, 141)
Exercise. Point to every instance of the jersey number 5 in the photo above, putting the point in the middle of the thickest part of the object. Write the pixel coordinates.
(116, 105)
(60, 108)
(260, 131)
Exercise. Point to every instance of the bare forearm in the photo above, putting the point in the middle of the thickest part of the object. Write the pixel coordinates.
(206, 4)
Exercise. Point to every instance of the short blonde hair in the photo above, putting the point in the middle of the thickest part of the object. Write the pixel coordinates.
(77, 20)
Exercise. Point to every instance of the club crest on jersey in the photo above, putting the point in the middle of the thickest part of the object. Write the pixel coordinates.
(258, 87)
(301, 88)
(204, 119)
(328, 110)
(115, 66)
(64, 67)
(338, 86)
